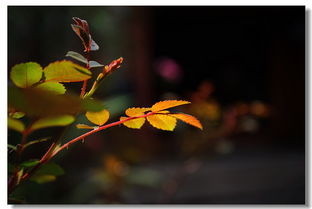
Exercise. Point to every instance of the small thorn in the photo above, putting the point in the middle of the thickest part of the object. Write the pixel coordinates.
(67, 147)
(83, 140)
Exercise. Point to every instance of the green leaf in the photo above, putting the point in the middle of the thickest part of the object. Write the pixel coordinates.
(62, 120)
(16, 125)
(53, 87)
(35, 102)
(47, 173)
(50, 169)
(26, 74)
(41, 179)
(29, 163)
(66, 71)
(94, 64)
(17, 115)
(76, 56)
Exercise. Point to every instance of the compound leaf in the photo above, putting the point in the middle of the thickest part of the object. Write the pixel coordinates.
(98, 118)
(167, 104)
(26, 74)
(188, 119)
(135, 111)
(66, 71)
(163, 122)
(134, 123)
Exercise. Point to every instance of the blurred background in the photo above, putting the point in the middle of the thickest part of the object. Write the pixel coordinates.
(243, 69)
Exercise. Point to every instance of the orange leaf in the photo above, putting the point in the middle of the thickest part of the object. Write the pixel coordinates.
(134, 123)
(167, 104)
(188, 119)
(163, 122)
(136, 111)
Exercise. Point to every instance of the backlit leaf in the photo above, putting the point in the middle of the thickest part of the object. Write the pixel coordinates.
(135, 111)
(134, 123)
(164, 122)
(66, 71)
(53, 87)
(35, 102)
(98, 118)
(62, 120)
(84, 126)
(26, 74)
(16, 124)
(76, 56)
(188, 119)
(167, 104)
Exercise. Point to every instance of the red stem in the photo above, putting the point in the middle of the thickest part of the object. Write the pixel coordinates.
(97, 130)
(84, 85)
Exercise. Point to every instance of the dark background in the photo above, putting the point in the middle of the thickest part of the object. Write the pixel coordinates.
(226, 55)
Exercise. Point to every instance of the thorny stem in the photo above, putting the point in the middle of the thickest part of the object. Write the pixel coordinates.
(48, 155)
(81, 137)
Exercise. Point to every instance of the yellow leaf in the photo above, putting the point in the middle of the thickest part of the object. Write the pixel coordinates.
(98, 118)
(167, 104)
(164, 122)
(188, 119)
(136, 111)
(66, 71)
(84, 126)
(134, 123)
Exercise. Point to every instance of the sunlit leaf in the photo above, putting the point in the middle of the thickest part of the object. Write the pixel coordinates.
(93, 64)
(53, 87)
(35, 102)
(188, 119)
(167, 104)
(66, 71)
(26, 74)
(76, 56)
(163, 122)
(84, 126)
(98, 118)
(134, 123)
(16, 125)
(135, 111)
(62, 120)
(29, 163)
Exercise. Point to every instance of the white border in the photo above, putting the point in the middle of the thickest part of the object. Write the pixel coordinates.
(3, 89)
